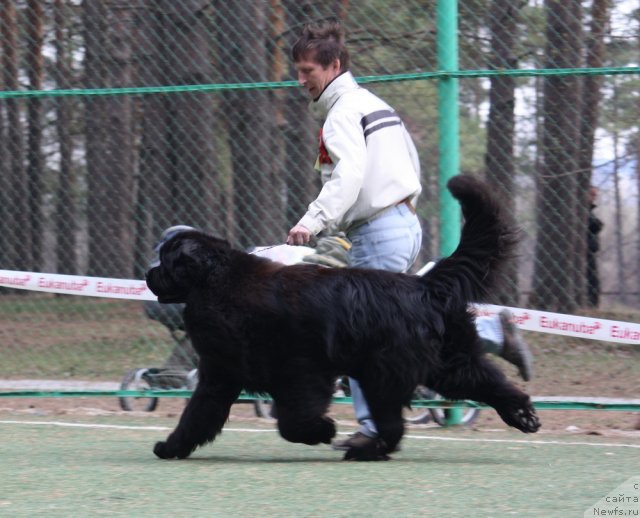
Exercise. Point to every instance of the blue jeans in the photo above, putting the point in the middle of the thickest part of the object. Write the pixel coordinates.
(490, 331)
(391, 242)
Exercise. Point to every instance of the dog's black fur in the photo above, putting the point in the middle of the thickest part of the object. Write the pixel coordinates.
(291, 330)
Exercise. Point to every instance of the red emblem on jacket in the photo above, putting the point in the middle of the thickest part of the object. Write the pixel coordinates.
(323, 154)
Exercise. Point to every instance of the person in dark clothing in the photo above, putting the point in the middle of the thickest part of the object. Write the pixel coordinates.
(594, 226)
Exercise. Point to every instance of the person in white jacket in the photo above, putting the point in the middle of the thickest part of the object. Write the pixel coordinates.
(369, 165)
(371, 180)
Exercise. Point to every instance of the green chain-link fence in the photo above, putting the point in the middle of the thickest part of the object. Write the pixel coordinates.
(120, 118)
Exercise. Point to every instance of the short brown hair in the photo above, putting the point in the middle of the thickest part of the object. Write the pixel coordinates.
(324, 43)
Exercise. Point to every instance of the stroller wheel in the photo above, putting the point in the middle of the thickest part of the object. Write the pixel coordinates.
(265, 408)
(192, 379)
(469, 415)
(137, 379)
(418, 415)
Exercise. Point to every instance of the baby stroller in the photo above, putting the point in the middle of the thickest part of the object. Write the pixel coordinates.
(180, 369)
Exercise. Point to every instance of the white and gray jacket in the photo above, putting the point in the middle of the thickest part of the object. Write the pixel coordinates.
(367, 160)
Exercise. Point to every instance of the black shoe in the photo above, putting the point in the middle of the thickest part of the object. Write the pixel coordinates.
(514, 348)
(357, 440)
(362, 442)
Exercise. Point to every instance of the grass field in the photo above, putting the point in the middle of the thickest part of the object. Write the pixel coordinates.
(76, 457)
(104, 466)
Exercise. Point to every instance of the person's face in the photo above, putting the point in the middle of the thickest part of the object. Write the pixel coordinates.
(314, 77)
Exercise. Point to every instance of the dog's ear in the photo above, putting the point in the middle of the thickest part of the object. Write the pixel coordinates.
(192, 256)
(181, 257)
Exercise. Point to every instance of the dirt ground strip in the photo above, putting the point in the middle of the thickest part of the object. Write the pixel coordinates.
(573, 422)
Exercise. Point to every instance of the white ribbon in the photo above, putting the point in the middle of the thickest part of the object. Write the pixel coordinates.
(526, 319)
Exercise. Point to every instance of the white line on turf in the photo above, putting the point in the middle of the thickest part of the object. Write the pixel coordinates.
(85, 425)
(257, 430)
(520, 441)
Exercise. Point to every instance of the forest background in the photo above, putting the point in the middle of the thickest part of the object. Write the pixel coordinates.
(91, 175)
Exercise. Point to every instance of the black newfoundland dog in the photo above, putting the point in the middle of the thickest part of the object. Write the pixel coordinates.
(289, 331)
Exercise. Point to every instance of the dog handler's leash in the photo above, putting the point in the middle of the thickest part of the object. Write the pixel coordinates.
(313, 242)
(263, 248)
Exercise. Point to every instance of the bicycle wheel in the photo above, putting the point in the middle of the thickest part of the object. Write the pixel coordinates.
(418, 415)
(137, 379)
(439, 415)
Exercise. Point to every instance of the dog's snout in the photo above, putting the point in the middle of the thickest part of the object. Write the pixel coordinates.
(148, 275)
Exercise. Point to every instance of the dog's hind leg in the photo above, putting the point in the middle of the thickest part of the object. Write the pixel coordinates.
(478, 379)
(302, 406)
(202, 419)
(464, 372)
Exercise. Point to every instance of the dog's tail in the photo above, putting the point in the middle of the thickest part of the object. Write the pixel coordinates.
(489, 239)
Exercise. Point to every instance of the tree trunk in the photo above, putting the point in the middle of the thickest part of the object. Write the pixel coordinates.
(258, 187)
(5, 180)
(18, 235)
(179, 179)
(153, 205)
(618, 226)
(35, 162)
(109, 138)
(553, 283)
(589, 111)
(637, 171)
(301, 130)
(66, 212)
(300, 133)
(191, 119)
(278, 68)
(499, 159)
(636, 149)
(620, 268)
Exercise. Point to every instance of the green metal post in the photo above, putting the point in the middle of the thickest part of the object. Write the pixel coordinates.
(449, 139)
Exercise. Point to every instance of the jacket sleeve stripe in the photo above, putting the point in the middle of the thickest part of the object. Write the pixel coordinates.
(380, 126)
(369, 119)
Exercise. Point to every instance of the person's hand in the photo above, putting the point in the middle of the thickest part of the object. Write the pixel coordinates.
(299, 235)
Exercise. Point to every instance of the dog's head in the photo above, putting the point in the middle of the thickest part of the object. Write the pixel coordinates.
(186, 261)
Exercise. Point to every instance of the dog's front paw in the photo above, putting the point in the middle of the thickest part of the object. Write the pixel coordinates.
(326, 429)
(321, 429)
(165, 451)
(162, 451)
